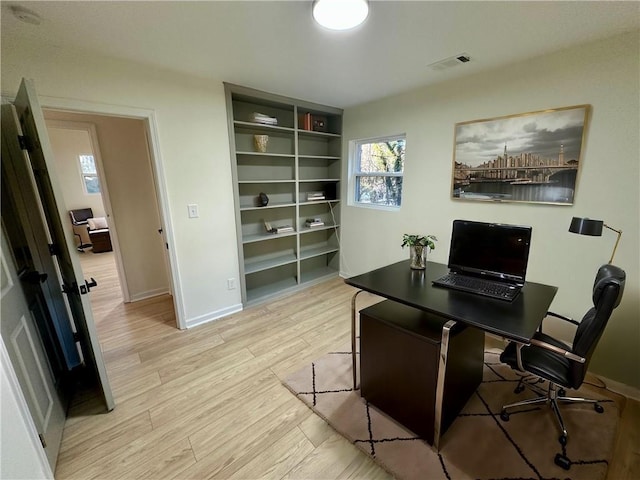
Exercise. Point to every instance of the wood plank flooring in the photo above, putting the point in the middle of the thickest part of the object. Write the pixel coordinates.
(208, 402)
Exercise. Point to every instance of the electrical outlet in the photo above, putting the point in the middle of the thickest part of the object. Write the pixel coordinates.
(193, 210)
(231, 284)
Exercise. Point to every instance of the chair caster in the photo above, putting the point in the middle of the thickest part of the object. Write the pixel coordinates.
(504, 415)
(598, 408)
(562, 461)
(562, 392)
(563, 440)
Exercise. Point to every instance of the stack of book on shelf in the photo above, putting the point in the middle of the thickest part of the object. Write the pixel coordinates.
(313, 196)
(314, 222)
(280, 229)
(262, 118)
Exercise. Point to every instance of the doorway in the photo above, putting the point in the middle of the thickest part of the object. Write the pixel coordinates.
(137, 266)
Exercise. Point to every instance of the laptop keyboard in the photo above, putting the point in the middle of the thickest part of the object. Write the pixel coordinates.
(478, 286)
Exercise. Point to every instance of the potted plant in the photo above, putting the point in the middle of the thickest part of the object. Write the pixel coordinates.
(418, 247)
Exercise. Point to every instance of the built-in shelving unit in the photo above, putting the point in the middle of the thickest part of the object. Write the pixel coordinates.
(302, 158)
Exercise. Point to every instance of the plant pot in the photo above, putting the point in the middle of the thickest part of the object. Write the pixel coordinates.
(418, 257)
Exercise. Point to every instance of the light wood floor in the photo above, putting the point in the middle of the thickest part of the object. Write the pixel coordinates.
(208, 402)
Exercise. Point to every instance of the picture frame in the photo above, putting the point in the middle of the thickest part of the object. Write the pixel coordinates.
(530, 157)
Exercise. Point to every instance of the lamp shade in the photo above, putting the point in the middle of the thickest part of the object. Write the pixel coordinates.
(586, 226)
(340, 14)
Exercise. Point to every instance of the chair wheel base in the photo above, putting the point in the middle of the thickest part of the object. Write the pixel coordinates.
(598, 408)
(562, 461)
(504, 415)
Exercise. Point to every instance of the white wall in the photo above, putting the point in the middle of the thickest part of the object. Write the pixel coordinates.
(67, 145)
(193, 147)
(603, 74)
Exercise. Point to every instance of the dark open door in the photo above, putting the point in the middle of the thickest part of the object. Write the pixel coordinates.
(54, 213)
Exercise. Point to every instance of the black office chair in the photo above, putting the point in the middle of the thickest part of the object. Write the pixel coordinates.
(80, 219)
(562, 365)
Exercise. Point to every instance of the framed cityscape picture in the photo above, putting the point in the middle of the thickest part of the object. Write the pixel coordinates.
(531, 157)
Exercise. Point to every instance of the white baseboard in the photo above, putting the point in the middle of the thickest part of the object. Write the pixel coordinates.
(621, 388)
(209, 317)
(148, 294)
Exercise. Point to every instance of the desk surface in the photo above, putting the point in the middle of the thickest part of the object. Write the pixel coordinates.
(517, 320)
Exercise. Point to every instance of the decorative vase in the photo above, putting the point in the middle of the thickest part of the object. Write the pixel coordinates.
(260, 143)
(418, 256)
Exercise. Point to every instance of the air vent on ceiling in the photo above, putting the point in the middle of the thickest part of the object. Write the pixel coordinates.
(450, 62)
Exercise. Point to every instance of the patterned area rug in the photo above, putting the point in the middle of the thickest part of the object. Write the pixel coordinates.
(478, 444)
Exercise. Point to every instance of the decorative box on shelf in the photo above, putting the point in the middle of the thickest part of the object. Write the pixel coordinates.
(314, 123)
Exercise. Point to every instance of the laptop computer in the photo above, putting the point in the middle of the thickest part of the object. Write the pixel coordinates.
(487, 259)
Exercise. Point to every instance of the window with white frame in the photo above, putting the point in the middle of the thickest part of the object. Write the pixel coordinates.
(89, 173)
(378, 168)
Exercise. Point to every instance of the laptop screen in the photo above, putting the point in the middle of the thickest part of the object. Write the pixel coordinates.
(493, 250)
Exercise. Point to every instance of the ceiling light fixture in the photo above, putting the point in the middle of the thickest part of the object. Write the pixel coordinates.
(340, 14)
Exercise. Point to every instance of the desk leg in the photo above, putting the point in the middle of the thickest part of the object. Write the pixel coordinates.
(442, 370)
(354, 361)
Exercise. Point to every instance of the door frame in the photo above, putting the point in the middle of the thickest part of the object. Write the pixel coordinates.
(90, 128)
(159, 179)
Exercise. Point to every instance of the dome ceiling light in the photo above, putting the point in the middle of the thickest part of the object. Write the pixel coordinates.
(340, 14)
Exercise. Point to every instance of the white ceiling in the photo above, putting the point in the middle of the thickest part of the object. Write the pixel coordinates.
(275, 45)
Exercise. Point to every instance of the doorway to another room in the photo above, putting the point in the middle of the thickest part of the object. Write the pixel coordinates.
(103, 163)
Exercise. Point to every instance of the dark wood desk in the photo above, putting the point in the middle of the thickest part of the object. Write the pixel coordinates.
(517, 320)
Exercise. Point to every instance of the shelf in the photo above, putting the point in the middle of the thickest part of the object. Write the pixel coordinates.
(271, 205)
(263, 237)
(265, 181)
(313, 133)
(275, 288)
(317, 251)
(267, 154)
(253, 267)
(319, 202)
(317, 157)
(326, 226)
(261, 127)
(317, 274)
(319, 180)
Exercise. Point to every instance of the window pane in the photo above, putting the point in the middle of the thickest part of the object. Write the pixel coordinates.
(384, 156)
(379, 190)
(88, 164)
(91, 183)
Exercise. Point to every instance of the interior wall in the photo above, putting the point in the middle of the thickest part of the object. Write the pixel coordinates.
(129, 179)
(67, 145)
(193, 147)
(604, 74)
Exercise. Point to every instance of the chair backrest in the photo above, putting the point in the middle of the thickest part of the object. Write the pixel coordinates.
(80, 216)
(607, 293)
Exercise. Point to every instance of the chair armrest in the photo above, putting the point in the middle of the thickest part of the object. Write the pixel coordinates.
(546, 346)
(558, 350)
(562, 317)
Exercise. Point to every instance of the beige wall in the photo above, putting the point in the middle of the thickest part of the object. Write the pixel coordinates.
(603, 74)
(129, 179)
(67, 145)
